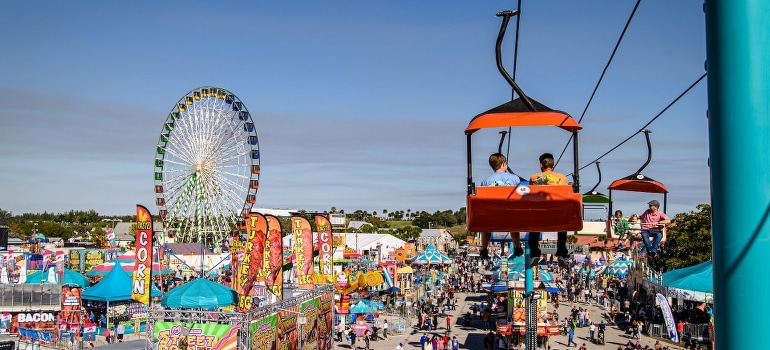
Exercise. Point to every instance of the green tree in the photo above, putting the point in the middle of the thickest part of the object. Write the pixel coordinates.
(688, 242)
(5, 217)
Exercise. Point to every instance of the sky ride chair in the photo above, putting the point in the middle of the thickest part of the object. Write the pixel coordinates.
(522, 208)
(594, 200)
(637, 182)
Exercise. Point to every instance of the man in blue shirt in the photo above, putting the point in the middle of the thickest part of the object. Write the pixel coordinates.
(424, 340)
(501, 177)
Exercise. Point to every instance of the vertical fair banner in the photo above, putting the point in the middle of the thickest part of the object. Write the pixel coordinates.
(325, 267)
(140, 288)
(274, 257)
(303, 252)
(256, 226)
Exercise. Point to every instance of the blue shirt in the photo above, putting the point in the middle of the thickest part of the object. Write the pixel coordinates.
(501, 179)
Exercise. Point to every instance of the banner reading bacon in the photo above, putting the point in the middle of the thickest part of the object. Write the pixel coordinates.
(274, 257)
(140, 287)
(303, 252)
(256, 228)
(324, 229)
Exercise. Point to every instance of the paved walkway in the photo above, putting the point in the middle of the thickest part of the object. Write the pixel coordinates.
(473, 337)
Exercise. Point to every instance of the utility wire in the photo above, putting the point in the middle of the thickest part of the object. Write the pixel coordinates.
(601, 77)
(648, 123)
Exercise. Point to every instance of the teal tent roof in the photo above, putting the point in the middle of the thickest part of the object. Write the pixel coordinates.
(72, 278)
(697, 278)
(431, 255)
(115, 286)
(676, 274)
(199, 294)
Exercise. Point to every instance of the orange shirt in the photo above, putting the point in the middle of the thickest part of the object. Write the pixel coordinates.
(548, 177)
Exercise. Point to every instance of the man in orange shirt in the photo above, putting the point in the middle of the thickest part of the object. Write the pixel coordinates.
(547, 177)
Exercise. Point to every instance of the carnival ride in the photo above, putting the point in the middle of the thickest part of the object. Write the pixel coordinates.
(207, 166)
(638, 182)
(522, 208)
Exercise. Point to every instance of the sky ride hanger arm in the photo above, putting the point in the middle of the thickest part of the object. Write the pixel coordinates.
(499, 58)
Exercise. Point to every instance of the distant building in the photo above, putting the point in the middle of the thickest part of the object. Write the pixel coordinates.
(123, 237)
(438, 237)
(282, 213)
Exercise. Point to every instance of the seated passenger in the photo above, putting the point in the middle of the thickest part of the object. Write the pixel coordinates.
(547, 177)
(500, 177)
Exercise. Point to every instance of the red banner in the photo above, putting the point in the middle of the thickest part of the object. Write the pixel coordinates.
(274, 256)
(256, 226)
(303, 252)
(140, 288)
(325, 267)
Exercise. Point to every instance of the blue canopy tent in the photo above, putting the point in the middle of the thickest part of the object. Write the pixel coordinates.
(72, 278)
(361, 308)
(199, 294)
(674, 275)
(693, 283)
(431, 255)
(116, 286)
(619, 268)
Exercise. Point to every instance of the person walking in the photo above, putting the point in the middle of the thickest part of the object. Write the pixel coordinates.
(385, 329)
(448, 322)
(121, 330)
(424, 340)
(571, 337)
(455, 343)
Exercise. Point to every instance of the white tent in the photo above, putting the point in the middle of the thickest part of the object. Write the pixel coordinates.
(363, 242)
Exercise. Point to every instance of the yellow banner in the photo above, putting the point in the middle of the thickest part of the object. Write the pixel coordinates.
(140, 287)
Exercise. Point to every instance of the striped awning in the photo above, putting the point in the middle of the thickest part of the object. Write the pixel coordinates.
(187, 248)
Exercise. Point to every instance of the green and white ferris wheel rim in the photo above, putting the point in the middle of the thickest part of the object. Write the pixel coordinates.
(207, 166)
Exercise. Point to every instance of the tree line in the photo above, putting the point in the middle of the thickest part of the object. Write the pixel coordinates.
(689, 242)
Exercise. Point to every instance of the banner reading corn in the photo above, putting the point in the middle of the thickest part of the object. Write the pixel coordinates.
(140, 288)
(325, 267)
(274, 257)
(303, 252)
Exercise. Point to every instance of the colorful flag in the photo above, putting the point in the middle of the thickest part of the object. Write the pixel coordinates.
(256, 225)
(668, 317)
(303, 252)
(140, 289)
(274, 256)
(111, 238)
(325, 267)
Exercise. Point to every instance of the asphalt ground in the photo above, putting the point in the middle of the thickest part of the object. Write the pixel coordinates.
(472, 337)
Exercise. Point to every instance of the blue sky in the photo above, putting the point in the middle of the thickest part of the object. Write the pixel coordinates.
(358, 104)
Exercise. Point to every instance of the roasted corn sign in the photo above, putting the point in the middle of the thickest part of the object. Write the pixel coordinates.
(140, 288)
(324, 229)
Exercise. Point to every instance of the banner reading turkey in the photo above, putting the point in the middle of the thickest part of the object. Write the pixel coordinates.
(303, 252)
(256, 228)
(325, 267)
(274, 256)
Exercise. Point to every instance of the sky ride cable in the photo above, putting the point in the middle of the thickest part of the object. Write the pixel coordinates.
(601, 77)
(649, 122)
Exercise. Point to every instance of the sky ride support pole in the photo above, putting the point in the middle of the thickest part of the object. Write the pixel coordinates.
(738, 56)
(530, 312)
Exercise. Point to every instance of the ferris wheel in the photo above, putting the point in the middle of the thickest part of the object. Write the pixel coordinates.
(206, 167)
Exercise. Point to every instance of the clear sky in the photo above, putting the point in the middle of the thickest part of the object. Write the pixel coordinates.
(358, 104)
